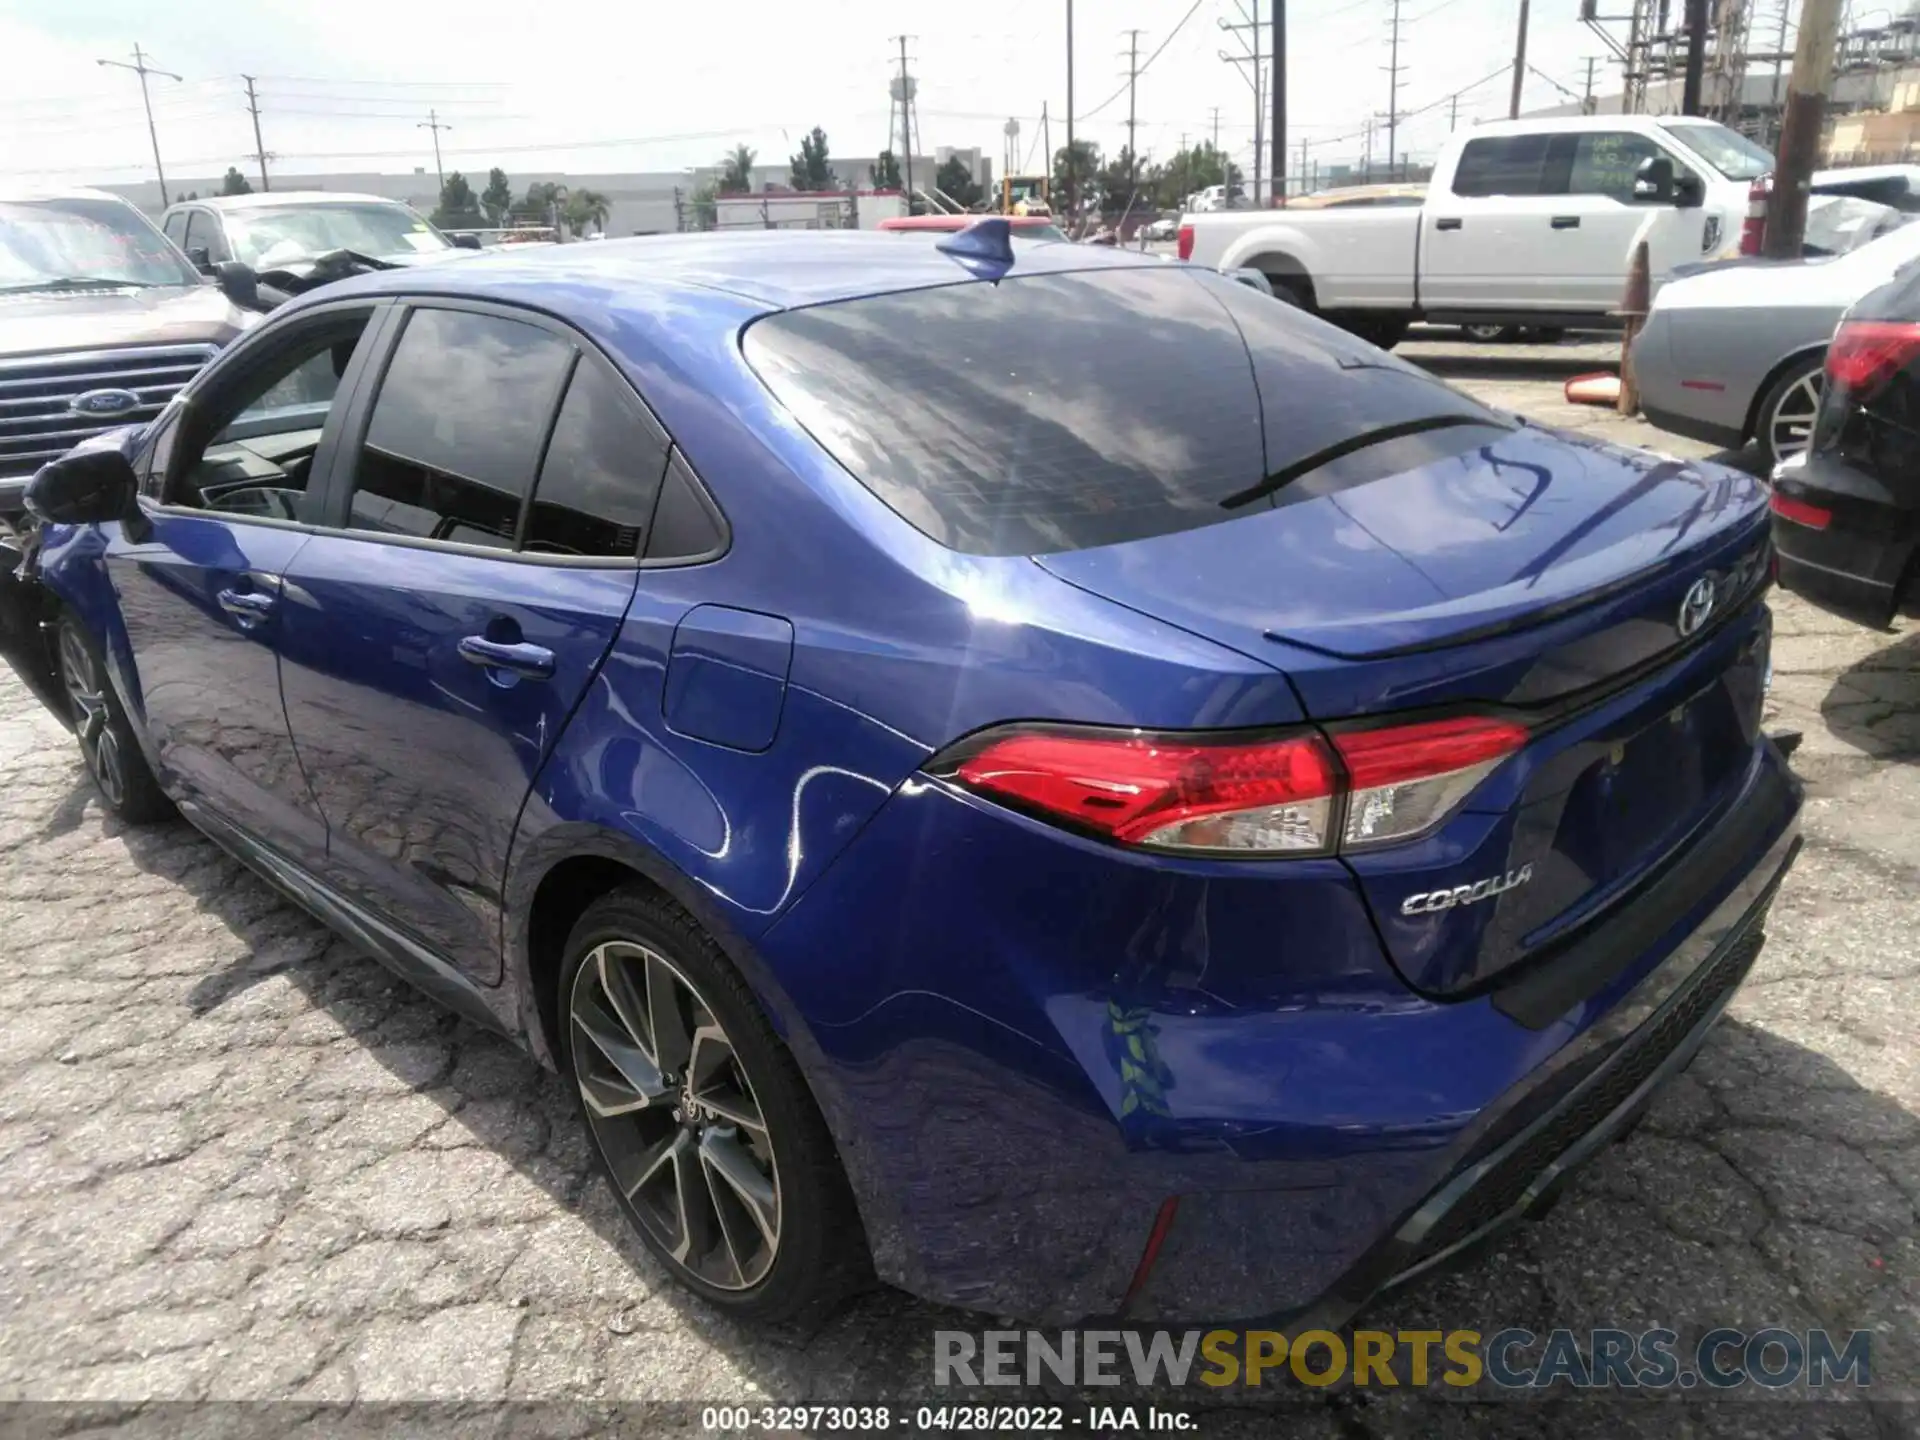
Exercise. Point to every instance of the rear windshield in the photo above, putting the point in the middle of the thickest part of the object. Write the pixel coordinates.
(1048, 413)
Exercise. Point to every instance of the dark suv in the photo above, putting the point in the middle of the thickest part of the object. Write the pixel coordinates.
(102, 320)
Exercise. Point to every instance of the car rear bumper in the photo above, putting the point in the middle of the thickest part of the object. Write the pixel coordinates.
(1067, 1042)
(1693, 427)
(1856, 565)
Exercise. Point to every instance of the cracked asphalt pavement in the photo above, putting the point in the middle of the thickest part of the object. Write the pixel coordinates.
(239, 1161)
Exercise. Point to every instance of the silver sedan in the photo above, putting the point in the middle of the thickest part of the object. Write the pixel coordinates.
(1733, 352)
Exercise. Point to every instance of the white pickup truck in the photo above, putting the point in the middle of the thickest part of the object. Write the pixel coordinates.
(1525, 222)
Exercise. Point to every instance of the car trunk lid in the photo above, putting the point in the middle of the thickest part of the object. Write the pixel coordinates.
(1604, 596)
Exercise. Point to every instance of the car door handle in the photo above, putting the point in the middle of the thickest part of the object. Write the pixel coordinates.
(1447, 222)
(1565, 222)
(246, 606)
(535, 661)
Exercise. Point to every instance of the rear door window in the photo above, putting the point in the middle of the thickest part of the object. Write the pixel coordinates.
(602, 470)
(457, 429)
(1509, 165)
(1049, 413)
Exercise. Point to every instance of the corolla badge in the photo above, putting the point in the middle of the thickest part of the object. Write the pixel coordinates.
(103, 404)
(1428, 901)
(1697, 607)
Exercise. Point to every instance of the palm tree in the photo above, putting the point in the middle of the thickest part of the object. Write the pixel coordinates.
(586, 210)
(736, 171)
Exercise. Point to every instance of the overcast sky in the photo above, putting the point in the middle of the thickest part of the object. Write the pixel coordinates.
(614, 85)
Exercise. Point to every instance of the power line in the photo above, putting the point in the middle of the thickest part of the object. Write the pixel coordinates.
(388, 84)
(1191, 12)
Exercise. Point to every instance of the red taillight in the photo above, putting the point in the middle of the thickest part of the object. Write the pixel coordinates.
(1800, 513)
(1406, 778)
(1275, 796)
(1186, 242)
(1179, 793)
(1865, 354)
(1753, 231)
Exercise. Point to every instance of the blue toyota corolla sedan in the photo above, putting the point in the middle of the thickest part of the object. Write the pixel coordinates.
(1035, 773)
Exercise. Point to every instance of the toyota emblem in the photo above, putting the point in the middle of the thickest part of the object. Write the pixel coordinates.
(1697, 607)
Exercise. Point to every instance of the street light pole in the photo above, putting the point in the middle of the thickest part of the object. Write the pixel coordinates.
(142, 69)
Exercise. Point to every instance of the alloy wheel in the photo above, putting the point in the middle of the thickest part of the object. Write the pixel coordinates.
(1790, 426)
(87, 693)
(675, 1116)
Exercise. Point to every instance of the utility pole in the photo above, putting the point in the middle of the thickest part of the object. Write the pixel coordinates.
(259, 147)
(906, 124)
(434, 123)
(1278, 139)
(1366, 161)
(1133, 80)
(1253, 57)
(1393, 86)
(1046, 141)
(1519, 63)
(1586, 101)
(1073, 169)
(142, 69)
(1216, 127)
(1696, 57)
(1778, 51)
(1453, 112)
(1800, 132)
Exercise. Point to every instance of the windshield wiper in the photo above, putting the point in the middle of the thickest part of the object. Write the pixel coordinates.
(1287, 474)
(78, 282)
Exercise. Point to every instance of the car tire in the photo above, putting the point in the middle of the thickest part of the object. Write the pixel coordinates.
(1784, 422)
(1492, 334)
(109, 748)
(706, 1130)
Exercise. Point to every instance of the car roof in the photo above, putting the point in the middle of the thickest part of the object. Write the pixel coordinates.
(279, 198)
(28, 193)
(1569, 124)
(961, 222)
(778, 270)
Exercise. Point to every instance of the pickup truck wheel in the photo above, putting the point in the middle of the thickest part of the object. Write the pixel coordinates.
(108, 745)
(1492, 334)
(1386, 331)
(1295, 290)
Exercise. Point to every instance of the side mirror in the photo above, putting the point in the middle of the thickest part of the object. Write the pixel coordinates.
(238, 283)
(202, 261)
(85, 487)
(1653, 181)
(465, 242)
(1689, 192)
